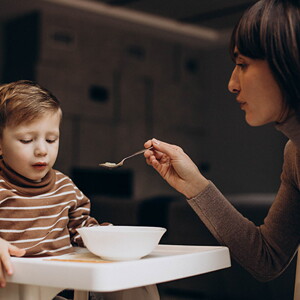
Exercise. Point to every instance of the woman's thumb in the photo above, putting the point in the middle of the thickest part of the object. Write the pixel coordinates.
(168, 149)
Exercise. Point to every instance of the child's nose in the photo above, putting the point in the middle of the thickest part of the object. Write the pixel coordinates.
(40, 149)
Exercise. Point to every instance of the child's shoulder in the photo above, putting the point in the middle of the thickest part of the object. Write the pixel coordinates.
(62, 178)
(4, 184)
(63, 181)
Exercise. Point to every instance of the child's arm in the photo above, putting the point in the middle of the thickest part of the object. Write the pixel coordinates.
(79, 216)
(6, 249)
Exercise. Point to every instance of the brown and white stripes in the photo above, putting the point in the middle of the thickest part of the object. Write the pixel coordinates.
(42, 217)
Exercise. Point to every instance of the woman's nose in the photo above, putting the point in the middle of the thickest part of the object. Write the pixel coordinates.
(233, 84)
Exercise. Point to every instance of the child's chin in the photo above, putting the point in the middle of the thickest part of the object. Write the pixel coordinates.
(35, 179)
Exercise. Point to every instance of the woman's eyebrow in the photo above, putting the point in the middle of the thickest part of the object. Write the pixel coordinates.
(239, 56)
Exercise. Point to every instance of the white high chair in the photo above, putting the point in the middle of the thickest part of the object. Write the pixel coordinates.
(297, 277)
(14, 291)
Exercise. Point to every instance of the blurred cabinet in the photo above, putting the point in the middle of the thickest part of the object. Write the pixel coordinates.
(21, 41)
(119, 88)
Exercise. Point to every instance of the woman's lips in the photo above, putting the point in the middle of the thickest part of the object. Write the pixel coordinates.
(241, 103)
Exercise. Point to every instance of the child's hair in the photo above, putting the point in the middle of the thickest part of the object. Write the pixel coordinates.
(270, 30)
(24, 101)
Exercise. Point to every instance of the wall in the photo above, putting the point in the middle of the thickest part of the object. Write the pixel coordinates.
(119, 88)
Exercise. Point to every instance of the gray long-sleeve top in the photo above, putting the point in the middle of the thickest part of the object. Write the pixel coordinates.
(266, 250)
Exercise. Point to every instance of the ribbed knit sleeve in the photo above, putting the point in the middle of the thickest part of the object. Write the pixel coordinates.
(267, 250)
(79, 216)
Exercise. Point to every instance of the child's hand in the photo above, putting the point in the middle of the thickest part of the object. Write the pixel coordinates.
(6, 250)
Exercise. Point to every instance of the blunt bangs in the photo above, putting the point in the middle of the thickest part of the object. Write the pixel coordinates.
(246, 34)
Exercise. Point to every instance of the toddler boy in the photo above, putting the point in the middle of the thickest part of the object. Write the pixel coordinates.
(40, 208)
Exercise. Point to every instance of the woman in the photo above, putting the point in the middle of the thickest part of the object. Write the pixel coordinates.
(265, 46)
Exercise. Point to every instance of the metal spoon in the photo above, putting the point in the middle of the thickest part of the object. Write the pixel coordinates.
(110, 165)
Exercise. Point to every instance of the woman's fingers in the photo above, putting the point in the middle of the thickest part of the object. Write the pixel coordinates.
(161, 149)
(168, 149)
(176, 167)
(148, 144)
(152, 155)
(162, 154)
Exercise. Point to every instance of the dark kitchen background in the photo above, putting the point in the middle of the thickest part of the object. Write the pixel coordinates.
(129, 70)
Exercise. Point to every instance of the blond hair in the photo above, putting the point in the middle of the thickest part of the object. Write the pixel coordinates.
(24, 101)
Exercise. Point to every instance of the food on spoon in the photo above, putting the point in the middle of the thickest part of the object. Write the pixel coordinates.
(108, 165)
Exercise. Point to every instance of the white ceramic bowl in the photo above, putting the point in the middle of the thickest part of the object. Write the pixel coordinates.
(121, 242)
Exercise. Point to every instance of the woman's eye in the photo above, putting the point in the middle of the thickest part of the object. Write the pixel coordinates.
(25, 141)
(242, 66)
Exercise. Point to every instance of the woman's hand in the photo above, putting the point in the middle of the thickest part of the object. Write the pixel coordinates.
(175, 167)
(6, 250)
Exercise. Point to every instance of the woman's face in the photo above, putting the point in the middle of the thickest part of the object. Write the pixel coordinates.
(256, 91)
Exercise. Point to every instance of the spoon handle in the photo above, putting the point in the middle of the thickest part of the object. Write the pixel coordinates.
(110, 165)
(137, 153)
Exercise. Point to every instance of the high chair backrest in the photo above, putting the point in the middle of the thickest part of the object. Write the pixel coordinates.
(297, 277)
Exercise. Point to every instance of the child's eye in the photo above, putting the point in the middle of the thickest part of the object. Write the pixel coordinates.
(25, 141)
(51, 141)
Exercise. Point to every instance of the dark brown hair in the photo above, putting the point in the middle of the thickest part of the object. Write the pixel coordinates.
(270, 30)
(24, 101)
